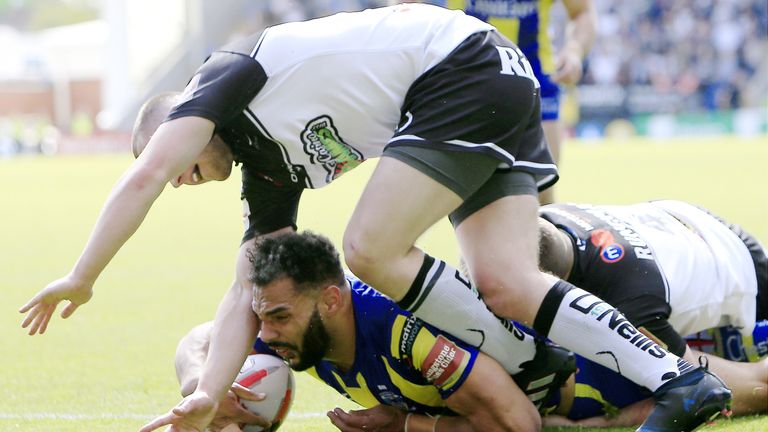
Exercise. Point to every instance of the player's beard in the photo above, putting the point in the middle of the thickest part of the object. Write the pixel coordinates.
(314, 344)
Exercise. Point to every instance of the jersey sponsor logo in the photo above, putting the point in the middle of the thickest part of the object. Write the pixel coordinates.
(443, 361)
(601, 238)
(325, 147)
(513, 62)
(610, 251)
(625, 231)
(411, 329)
(592, 306)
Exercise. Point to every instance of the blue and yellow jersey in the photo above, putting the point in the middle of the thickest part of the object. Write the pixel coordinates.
(600, 391)
(526, 23)
(399, 360)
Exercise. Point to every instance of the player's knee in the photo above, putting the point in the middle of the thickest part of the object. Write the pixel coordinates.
(506, 297)
(360, 257)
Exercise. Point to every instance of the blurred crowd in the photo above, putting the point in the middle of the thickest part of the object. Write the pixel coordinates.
(650, 57)
(713, 53)
(298, 10)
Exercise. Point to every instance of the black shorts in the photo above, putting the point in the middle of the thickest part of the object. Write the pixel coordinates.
(473, 103)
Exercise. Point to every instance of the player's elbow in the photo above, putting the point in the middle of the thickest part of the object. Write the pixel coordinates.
(523, 419)
(146, 176)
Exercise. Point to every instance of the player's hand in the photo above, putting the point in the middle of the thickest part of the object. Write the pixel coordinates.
(192, 414)
(381, 418)
(42, 306)
(568, 67)
(232, 412)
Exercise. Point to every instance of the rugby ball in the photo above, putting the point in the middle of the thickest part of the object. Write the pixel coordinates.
(264, 373)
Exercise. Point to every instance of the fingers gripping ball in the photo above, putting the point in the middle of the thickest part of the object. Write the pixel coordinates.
(264, 373)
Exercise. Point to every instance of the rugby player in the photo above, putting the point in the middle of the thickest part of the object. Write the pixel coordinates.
(453, 109)
(363, 345)
(672, 268)
(376, 354)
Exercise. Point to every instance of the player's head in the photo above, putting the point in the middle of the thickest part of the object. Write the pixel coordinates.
(215, 161)
(555, 250)
(299, 287)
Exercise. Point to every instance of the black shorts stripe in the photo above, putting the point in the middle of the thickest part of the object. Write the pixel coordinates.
(465, 103)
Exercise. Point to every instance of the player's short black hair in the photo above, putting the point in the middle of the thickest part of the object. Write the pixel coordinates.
(309, 259)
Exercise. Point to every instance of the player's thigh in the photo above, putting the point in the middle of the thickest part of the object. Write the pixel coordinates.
(411, 188)
(398, 204)
(499, 243)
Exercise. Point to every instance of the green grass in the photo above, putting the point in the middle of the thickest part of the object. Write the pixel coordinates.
(110, 366)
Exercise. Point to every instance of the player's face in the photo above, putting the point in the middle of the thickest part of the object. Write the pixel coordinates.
(291, 324)
(214, 163)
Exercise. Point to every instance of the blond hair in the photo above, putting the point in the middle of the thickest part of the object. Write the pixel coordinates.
(151, 115)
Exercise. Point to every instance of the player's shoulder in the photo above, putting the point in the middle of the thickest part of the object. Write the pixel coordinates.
(371, 306)
(366, 294)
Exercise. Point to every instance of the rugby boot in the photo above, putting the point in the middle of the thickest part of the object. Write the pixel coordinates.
(688, 401)
(546, 373)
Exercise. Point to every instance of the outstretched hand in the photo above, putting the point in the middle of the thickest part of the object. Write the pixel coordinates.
(192, 414)
(42, 306)
(231, 411)
(381, 418)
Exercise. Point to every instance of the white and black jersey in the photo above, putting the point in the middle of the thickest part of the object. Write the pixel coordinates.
(302, 103)
(667, 265)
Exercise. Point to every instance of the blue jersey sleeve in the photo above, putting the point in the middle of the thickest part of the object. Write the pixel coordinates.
(441, 359)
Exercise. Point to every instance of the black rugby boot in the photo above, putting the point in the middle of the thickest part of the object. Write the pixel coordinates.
(688, 401)
(546, 373)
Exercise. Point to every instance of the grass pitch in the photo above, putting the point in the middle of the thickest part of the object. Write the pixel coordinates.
(110, 366)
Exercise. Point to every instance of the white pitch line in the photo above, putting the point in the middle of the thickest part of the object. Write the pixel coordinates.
(111, 416)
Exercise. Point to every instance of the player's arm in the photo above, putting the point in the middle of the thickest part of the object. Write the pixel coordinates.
(490, 400)
(472, 384)
(579, 36)
(172, 149)
(384, 417)
(190, 356)
(631, 415)
(747, 381)
(234, 330)
(190, 361)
